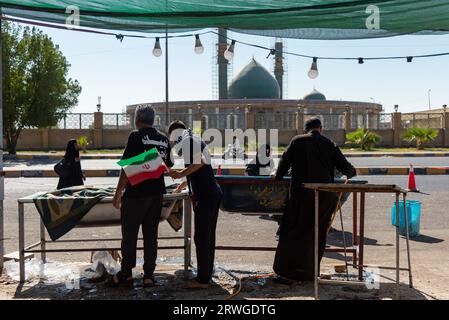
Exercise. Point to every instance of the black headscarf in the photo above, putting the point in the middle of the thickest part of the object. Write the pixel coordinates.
(71, 152)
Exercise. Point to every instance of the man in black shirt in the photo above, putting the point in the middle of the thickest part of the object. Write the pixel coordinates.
(141, 204)
(312, 158)
(206, 198)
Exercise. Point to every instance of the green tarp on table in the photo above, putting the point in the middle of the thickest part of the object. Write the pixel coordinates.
(312, 19)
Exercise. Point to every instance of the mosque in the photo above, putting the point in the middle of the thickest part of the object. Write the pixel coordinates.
(255, 89)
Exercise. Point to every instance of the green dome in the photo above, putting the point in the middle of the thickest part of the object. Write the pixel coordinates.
(315, 95)
(254, 82)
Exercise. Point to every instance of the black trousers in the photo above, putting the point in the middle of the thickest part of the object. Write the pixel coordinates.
(206, 209)
(136, 212)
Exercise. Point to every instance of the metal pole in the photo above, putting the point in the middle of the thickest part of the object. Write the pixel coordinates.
(167, 114)
(407, 239)
(187, 206)
(317, 267)
(362, 234)
(397, 246)
(21, 243)
(43, 242)
(2, 179)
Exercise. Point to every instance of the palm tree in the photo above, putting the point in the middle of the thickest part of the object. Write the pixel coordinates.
(363, 138)
(420, 136)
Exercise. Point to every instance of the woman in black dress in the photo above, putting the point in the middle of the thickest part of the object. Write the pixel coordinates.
(72, 162)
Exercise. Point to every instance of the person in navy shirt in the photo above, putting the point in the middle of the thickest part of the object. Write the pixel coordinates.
(206, 194)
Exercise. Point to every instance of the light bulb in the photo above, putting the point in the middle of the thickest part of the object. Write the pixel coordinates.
(313, 72)
(199, 49)
(229, 53)
(157, 51)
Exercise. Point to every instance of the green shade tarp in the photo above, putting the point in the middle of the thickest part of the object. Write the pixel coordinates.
(312, 19)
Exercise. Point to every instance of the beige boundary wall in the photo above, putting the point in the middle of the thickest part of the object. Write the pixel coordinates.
(99, 138)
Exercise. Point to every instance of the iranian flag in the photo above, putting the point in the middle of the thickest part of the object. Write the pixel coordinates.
(147, 165)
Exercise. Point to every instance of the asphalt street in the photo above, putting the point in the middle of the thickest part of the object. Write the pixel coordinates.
(429, 249)
(378, 162)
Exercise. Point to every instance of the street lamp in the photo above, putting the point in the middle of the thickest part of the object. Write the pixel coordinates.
(99, 104)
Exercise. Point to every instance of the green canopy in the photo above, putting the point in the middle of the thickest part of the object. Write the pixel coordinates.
(311, 19)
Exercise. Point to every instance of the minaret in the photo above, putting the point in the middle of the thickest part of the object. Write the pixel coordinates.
(279, 64)
(222, 65)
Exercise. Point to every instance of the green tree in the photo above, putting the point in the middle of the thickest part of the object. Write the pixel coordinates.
(420, 136)
(363, 138)
(36, 89)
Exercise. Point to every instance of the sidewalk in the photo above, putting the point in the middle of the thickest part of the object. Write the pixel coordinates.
(113, 156)
(98, 173)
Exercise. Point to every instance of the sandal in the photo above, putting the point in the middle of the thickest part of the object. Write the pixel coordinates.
(120, 280)
(195, 285)
(148, 281)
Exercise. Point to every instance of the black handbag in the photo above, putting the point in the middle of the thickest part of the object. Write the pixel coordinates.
(61, 169)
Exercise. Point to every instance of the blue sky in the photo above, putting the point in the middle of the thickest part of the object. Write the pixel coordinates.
(126, 72)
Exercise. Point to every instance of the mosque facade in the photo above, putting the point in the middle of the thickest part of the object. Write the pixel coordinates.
(256, 92)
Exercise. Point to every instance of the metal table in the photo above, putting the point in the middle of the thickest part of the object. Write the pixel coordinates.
(362, 189)
(23, 250)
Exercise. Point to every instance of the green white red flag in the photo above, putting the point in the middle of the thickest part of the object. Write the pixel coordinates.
(147, 165)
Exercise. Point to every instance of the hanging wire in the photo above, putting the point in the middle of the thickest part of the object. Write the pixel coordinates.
(120, 37)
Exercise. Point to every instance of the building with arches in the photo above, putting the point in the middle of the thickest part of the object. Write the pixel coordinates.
(254, 101)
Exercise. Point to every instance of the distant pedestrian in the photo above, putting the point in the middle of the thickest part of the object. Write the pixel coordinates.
(263, 165)
(71, 167)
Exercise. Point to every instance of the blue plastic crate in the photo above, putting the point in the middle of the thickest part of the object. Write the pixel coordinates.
(414, 217)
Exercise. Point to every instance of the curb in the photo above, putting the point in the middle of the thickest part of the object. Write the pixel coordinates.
(37, 157)
(398, 155)
(99, 173)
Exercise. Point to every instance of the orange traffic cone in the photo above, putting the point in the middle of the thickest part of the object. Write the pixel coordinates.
(411, 179)
(219, 170)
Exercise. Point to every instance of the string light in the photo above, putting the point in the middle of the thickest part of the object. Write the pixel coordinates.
(229, 53)
(199, 49)
(157, 51)
(313, 72)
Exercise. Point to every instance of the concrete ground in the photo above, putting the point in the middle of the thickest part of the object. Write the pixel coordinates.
(378, 162)
(429, 250)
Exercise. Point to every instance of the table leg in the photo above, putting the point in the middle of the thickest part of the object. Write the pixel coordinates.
(43, 242)
(362, 234)
(397, 246)
(187, 206)
(354, 226)
(407, 239)
(21, 243)
(317, 266)
(2, 232)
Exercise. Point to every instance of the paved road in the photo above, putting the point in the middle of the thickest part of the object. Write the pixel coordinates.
(359, 162)
(435, 215)
(429, 250)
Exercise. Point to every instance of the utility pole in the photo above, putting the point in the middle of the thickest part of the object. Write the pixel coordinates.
(167, 112)
(428, 96)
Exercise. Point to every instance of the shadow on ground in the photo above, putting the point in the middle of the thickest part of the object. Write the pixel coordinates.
(225, 282)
